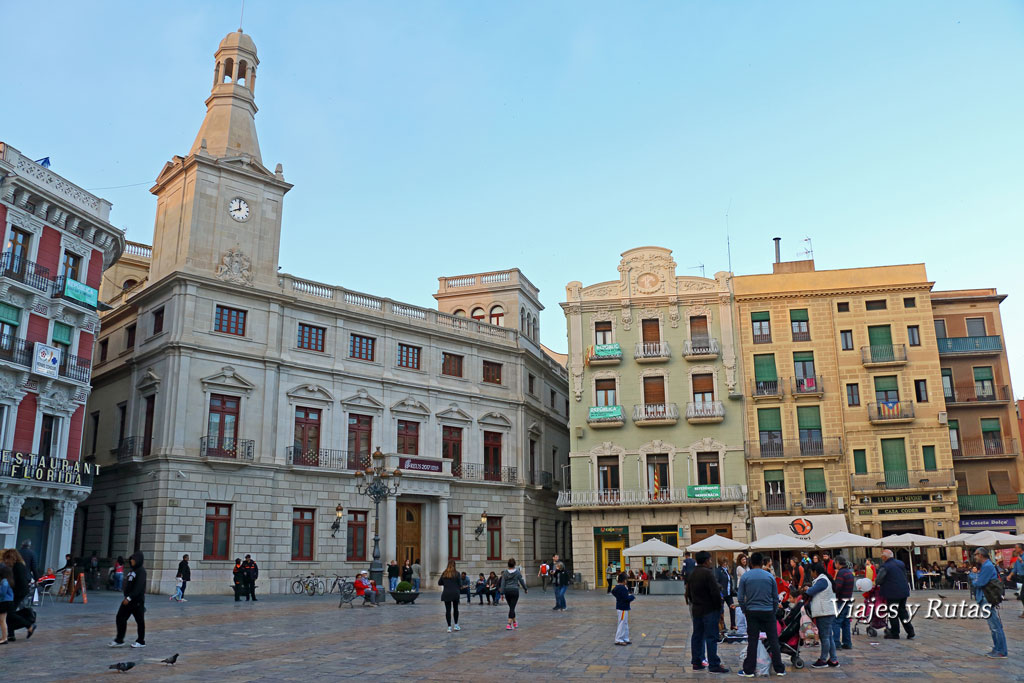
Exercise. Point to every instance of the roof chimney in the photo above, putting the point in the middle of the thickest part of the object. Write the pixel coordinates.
(778, 255)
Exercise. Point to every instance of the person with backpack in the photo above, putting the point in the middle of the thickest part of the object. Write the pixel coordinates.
(543, 574)
(988, 590)
(511, 580)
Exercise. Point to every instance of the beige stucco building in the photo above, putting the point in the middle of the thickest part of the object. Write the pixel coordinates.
(234, 404)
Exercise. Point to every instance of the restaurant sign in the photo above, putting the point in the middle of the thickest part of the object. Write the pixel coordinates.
(987, 522)
(45, 468)
(420, 465)
(898, 499)
(610, 530)
(708, 491)
(902, 511)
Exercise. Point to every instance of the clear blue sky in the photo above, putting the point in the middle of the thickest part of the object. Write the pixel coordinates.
(437, 138)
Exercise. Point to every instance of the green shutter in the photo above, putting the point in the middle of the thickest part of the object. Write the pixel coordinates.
(954, 424)
(769, 419)
(61, 334)
(803, 356)
(764, 368)
(947, 372)
(773, 475)
(894, 455)
(763, 316)
(981, 374)
(860, 461)
(990, 424)
(879, 335)
(814, 480)
(888, 383)
(10, 314)
(808, 417)
(928, 452)
(798, 315)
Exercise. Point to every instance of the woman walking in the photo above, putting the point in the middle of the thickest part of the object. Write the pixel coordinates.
(20, 587)
(451, 585)
(511, 580)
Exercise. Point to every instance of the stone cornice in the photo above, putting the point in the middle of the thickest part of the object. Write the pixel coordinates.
(830, 293)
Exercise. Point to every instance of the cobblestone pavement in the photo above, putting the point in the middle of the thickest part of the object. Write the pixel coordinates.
(284, 638)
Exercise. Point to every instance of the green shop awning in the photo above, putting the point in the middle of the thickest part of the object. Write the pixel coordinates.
(808, 417)
(761, 316)
(798, 315)
(814, 480)
(764, 367)
(62, 333)
(10, 314)
(769, 420)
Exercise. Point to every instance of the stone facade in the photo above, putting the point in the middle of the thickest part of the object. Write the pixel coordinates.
(983, 424)
(57, 240)
(236, 404)
(656, 412)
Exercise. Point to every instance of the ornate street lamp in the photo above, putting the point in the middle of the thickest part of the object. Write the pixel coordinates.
(339, 512)
(373, 482)
(482, 526)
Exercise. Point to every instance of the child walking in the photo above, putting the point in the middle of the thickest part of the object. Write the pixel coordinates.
(622, 599)
(179, 594)
(6, 599)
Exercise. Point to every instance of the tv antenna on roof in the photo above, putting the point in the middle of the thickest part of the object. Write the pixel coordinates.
(808, 251)
(700, 266)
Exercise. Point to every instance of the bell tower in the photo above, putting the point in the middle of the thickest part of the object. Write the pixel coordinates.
(219, 208)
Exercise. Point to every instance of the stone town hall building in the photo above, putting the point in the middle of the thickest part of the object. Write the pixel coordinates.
(233, 403)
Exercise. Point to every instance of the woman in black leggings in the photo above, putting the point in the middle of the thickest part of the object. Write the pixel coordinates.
(451, 585)
(511, 580)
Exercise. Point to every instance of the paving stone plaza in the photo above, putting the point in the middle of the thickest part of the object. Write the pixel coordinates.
(301, 638)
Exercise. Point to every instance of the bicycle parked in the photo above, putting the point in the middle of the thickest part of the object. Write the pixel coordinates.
(311, 584)
(346, 590)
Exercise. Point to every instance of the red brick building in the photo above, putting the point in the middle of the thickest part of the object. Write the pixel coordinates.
(57, 242)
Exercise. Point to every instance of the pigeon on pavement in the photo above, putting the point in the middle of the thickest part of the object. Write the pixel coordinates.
(170, 660)
(122, 666)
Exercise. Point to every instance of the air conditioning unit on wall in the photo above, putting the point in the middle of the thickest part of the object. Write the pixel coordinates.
(840, 503)
(943, 417)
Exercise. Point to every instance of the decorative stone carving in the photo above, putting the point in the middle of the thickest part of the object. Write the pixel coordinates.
(236, 268)
(576, 369)
(410, 405)
(696, 285)
(149, 380)
(58, 401)
(730, 373)
(228, 378)
(673, 315)
(627, 317)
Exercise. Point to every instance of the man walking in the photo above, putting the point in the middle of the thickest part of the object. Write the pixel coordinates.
(843, 586)
(250, 572)
(982, 574)
(134, 603)
(30, 558)
(392, 575)
(892, 580)
(543, 574)
(759, 599)
(185, 574)
(705, 598)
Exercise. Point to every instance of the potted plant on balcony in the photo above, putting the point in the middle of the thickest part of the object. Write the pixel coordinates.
(404, 594)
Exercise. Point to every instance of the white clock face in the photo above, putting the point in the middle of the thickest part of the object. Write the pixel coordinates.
(238, 209)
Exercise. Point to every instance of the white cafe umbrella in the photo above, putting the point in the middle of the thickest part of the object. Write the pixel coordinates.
(958, 539)
(991, 539)
(653, 548)
(911, 541)
(781, 542)
(717, 543)
(844, 539)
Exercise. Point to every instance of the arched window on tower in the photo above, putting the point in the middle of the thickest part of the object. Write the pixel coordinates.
(229, 70)
(459, 313)
(498, 316)
(128, 284)
(478, 314)
(522, 320)
(242, 73)
(216, 74)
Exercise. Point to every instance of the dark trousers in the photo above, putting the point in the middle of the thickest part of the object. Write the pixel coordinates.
(14, 620)
(450, 605)
(250, 589)
(610, 583)
(132, 609)
(239, 591)
(469, 596)
(705, 639)
(481, 593)
(184, 585)
(511, 597)
(758, 621)
(901, 615)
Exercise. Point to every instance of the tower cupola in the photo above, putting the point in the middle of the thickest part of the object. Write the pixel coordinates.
(229, 129)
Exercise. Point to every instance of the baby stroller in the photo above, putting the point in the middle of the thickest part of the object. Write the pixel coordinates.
(789, 632)
(872, 601)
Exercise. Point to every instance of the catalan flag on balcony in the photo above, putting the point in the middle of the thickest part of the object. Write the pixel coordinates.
(657, 484)
(889, 410)
(587, 355)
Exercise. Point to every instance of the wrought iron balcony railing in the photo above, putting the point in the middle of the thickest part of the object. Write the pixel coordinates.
(652, 351)
(701, 346)
(326, 458)
(767, 388)
(986, 446)
(655, 412)
(77, 368)
(902, 479)
(965, 346)
(829, 446)
(478, 472)
(24, 271)
(705, 410)
(883, 354)
(808, 386)
(130, 449)
(618, 497)
(227, 447)
(14, 350)
(976, 393)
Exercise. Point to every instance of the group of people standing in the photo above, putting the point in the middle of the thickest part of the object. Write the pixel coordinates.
(453, 585)
(410, 572)
(245, 574)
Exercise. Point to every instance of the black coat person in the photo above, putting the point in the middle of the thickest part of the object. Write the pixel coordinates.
(238, 577)
(251, 573)
(134, 603)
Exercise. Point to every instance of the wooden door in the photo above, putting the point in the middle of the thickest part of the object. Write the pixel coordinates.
(409, 528)
(699, 533)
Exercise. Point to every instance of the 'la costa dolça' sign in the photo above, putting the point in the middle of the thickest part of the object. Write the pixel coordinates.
(46, 468)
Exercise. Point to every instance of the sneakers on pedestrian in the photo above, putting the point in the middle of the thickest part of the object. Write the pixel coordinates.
(819, 664)
(183, 600)
(744, 674)
(834, 663)
(113, 643)
(846, 647)
(449, 629)
(138, 644)
(698, 667)
(515, 624)
(995, 655)
(718, 670)
(780, 673)
(508, 627)
(456, 627)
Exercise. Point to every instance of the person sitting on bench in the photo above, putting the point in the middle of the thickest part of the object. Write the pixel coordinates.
(366, 589)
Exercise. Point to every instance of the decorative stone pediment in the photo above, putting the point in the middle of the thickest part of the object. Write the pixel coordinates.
(707, 444)
(410, 405)
(362, 399)
(658, 446)
(228, 379)
(607, 448)
(495, 419)
(9, 387)
(534, 429)
(310, 392)
(57, 400)
(647, 271)
(454, 414)
(149, 381)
